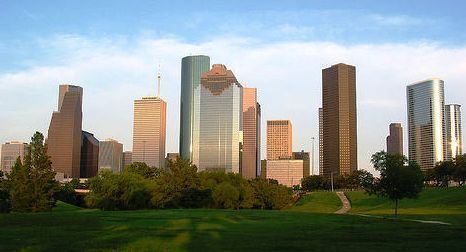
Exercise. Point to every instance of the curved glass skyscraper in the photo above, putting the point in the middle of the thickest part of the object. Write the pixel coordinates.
(191, 69)
(426, 122)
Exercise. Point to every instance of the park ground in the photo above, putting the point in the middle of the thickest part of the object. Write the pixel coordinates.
(310, 225)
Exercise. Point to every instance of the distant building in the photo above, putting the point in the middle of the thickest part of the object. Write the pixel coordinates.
(279, 139)
(321, 143)
(454, 145)
(10, 152)
(64, 134)
(89, 164)
(111, 155)
(395, 139)
(191, 69)
(149, 131)
(301, 155)
(127, 159)
(339, 120)
(172, 156)
(220, 122)
(263, 173)
(426, 125)
(286, 172)
(251, 134)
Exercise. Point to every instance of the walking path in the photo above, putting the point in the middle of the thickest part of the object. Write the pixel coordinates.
(346, 204)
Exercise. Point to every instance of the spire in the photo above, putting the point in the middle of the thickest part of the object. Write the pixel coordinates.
(158, 83)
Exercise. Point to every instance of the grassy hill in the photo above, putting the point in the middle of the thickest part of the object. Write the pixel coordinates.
(308, 226)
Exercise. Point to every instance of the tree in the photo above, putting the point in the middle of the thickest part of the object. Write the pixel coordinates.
(269, 194)
(5, 204)
(32, 185)
(144, 170)
(313, 183)
(398, 178)
(459, 173)
(443, 172)
(359, 179)
(226, 196)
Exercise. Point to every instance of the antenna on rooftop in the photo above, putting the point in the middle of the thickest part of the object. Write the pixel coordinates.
(158, 83)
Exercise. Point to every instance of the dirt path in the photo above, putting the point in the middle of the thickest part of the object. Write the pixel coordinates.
(346, 204)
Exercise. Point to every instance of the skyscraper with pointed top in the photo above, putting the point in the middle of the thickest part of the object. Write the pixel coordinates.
(149, 129)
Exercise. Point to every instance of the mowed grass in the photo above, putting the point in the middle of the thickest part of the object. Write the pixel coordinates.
(68, 228)
(442, 204)
(318, 202)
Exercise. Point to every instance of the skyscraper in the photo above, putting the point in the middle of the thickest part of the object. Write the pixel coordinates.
(251, 135)
(10, 152)
(191, 69)
(339, 122)
(89, 164)
(454, 138)
(426, 122)
(321, 143)
(279, 139)
(111, 155)
(64, 135)
(301, 155)
(395, 139)
(258, 144)
(127, 159)
(149, 131)
(220, 122)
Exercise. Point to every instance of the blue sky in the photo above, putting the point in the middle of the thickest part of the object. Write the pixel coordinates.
(112, 48)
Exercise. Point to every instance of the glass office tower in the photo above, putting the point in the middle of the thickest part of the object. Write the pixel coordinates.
(426, 122)
(453, 131)
(191, 69)
(220, 126)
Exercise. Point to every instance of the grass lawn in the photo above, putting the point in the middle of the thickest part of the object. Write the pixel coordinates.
(442, 204)
(304, 227)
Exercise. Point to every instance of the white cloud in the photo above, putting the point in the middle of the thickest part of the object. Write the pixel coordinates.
(287, 74)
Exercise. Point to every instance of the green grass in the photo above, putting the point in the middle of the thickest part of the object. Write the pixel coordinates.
(303, 227)
(443, 204)
(318, 202)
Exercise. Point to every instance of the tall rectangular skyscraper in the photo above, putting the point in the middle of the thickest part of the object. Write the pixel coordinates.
(220, 122)
(111, 155)
(279, 139)
(454, 137)
(395, 139)
(321, 143)
(339, 120)
(191, 69)
(64, 135)
(149, 131)
(251, 128)
(89, 155)
(10, 152)
(426, 122)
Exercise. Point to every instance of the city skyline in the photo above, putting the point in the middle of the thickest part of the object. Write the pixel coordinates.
(129, 59)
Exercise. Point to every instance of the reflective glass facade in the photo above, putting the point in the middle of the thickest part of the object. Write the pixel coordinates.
(453, 131)
(191, 69)
(220, 122)
(426, 131)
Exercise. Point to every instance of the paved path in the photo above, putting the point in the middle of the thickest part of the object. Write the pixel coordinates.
(346, 204)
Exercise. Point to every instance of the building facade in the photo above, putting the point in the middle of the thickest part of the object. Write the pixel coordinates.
(279, 139)
(220, 122)
(454, 144)
(301, 155)
(127, 159)
(191, 69)
(10, 153)
(286, 172)
(89, 164)
(251, 135)
(321, 143)
(395, 139)
(64, 134)
(426, 142)
(111, 155)
(149, 131)
(339, 120)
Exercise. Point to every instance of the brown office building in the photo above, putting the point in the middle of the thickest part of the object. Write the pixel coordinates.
(339, 121)
(149, 131)
(279, 139)
(89, 155)
(64, 135)
(10, 153)
(395, 139)
(321, 143)
(301, 155)
(127, 159)
(251, 139)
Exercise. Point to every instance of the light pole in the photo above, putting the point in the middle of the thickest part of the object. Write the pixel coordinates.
(331, 175)
(312, 139)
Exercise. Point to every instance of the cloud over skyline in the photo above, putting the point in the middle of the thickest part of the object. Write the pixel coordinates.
(115, 71)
